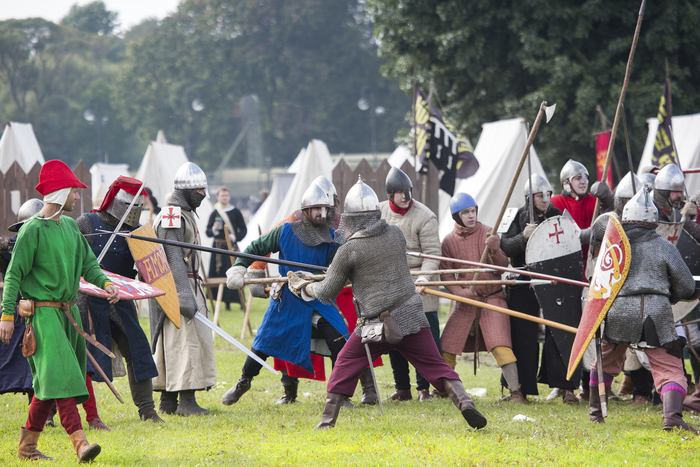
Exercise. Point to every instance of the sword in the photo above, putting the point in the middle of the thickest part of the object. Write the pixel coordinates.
(601, 376)
(99, 371)
(119, 226)
(529, 177)
(369, 359)
(207, 322)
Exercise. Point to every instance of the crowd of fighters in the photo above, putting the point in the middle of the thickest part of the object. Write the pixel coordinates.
(309, 317)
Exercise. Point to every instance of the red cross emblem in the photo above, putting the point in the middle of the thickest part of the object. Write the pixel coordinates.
(674, 237)
(170, 216)
(556, 233)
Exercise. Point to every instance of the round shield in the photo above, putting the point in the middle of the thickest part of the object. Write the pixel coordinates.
(129, 289)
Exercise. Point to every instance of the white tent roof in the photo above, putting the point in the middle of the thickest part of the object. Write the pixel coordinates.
(499, 149)
(686, 132)
(102, 177)
(18, 143)
(157, 171)
(399, 156)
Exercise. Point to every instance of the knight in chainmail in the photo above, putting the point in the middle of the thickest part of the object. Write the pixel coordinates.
(641, 314)
(373, 258)
(184, 357)
(119, 323)
(285, 332)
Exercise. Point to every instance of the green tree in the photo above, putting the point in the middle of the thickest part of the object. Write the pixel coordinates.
(93, 18)
(499, 59)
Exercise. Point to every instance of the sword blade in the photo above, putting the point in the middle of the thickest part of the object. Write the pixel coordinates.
(119, 226)
(208, 323)
(374, 378)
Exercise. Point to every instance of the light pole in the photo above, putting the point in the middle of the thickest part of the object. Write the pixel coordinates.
(197, 105)
(363, 104)
(99, 121)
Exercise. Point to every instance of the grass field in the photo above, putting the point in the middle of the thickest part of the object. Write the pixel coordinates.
(257, 432)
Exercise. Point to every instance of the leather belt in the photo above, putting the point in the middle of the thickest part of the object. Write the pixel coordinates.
(65, 306)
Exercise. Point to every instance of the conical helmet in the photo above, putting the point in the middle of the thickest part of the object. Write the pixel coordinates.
(624, 188)
(27, 210)
(670, 178)
(539, 185)
(191, 177)
(315, 197)
(361, 198)
(641, 208)
(397, 180)
(328, 187)
(571, 169)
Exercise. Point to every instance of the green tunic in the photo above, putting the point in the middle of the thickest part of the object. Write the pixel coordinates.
(47, 261)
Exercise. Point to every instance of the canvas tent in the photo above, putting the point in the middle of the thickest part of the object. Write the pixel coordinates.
(102, 177)
(18, 143)
(498, 151)
(686, 130)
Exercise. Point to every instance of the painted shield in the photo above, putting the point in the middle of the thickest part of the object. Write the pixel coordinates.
(129, 289)
(153, 266)
(670, 231)
(554, 248)
(609, 275)
(689, 248)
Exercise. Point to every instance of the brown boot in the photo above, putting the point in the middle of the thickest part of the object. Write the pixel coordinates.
(627, 387)
(330, 411)
(401, 395)
(640, 400)
(584, 394)
(611, 395)
(85, 451)
(150, 415)
(692, 401)
(595, 414)
(96, 424)
(27, 446)
(369, 392)
(439, 394)
(424, 395)
(673, 412)
(568, 397)
(234, 394)
(515, 397)
(460, 398)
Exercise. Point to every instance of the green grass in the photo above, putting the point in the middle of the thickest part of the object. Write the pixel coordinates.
(257, 432)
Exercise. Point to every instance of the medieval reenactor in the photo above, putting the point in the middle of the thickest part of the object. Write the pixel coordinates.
(373, 258)
(229, 216)
(641, 314)
(467, 241)
(184, 357)
(49, 257)
(524, 334)
(285, 332)
(419, 226)
(119, 322)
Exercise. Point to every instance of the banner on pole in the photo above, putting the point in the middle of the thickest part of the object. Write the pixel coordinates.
(602, 143)
(663, 152)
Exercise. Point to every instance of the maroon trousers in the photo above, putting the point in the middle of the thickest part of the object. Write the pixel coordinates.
(419, 349)
(67, 410)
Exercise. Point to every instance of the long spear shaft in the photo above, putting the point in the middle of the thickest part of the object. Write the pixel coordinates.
(502, 269)
(219, 251)
(616, 122)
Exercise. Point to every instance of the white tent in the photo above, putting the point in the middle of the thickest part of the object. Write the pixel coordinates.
(102, 177)
(399, 156)
(686, 132)
(498, 151)
(157, 171)
(18, 143)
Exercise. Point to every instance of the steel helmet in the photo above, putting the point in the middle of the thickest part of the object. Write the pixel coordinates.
(460, 202)
(624, 188)
(397, 180)
(640, 208)
(670, 178)
(361, 198)
(571, 169)
(316, 197)
(27, 210)
(191, 177)
(539, 185)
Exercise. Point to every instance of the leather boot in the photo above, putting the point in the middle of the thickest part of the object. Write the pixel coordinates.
(439, 394)
(330, 411)
(290, 385)
(168, 402)
(584, 395)
(96, 424)
(515, 397)
(595, 414)
(188, 405)
(627, 387)
(401, 395)
(424, 395)
(568, 397)
(369, 392)
(611, 395)
(27, 446)
(673, 412)
(692, 401)
(52, 413)
(640, 400)
(461, 400)
(232, 395)
(150, 415)
(85, 451)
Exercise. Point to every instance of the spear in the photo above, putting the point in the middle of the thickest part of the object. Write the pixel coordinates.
(618, 112)
(219, 251)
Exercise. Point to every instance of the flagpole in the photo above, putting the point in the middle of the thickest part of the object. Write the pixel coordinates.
(616, 122)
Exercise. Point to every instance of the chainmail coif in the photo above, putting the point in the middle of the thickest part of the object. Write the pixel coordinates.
(374, 260)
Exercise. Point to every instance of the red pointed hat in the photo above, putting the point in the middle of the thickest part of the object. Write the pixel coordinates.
(56, 175)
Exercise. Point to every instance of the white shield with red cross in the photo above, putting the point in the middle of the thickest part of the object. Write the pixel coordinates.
(670, 231)
(171, 218)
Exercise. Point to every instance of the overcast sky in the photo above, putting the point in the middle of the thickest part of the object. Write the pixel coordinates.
(131, 12)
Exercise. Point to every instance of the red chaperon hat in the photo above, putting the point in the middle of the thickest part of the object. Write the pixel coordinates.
(128, 184)
(56, 175)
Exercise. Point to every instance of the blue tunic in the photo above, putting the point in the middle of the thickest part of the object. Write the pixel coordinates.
(285, 332)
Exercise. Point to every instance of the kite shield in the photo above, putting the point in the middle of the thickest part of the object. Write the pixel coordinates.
(129, 289)
(153, 266)
(554, 248)
(609, 275)
(670, 231)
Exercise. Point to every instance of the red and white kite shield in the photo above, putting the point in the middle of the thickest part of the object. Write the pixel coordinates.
(609, 275)
(129, 289)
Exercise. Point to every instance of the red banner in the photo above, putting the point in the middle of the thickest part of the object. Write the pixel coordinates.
(602, 143)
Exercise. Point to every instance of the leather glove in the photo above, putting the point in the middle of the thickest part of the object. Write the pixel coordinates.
(585, 236)
(297, 283)
(257, 290)
(527, 231)
(419, 289)
(603, 192)
(690, 210)
(235, 277)
(493, 242)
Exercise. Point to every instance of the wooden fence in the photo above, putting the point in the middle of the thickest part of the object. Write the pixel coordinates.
(16, 187)
(425, 187)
